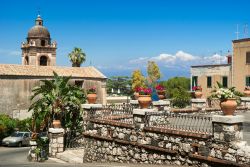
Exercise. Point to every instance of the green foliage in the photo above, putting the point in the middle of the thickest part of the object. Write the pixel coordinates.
(153, 72)
(138, 79)
(56, 99)
(24, 125)
(181, 98)
(176, 82)
(77, 57)
(119, 82)
(7, 125)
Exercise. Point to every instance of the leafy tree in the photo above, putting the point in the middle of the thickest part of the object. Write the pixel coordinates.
(119, 82)
(138, 79)
(154, 73)
(181, 98)
(56, 99)
(176, 82)
(7, 126)
(77, 57)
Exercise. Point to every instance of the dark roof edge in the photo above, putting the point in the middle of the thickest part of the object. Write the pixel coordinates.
(241, 40)
(211, 65)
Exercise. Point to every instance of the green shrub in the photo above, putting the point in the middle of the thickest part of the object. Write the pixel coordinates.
(181, 98)
(7, 126)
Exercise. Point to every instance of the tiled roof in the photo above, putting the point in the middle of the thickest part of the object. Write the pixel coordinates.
(47, 71)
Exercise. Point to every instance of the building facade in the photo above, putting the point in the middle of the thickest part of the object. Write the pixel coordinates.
(39, 63)
(235, 73)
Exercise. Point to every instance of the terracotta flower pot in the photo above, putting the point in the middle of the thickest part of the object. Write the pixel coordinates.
(198, 94)
(91, 98)
(161, 94)
(56, 124)
(136, 95)
(228, 106)
(144, 101)
(247, 93)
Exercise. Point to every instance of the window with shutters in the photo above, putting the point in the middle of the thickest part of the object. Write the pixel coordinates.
(194, 81)
(224, 81)
(248, 81)
(209, 81)
(248, 58)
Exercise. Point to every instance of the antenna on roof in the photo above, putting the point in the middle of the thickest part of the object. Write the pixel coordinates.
(237, 32)
(245, 31)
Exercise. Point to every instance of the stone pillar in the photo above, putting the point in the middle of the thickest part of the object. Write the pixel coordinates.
(198, 103)
(245, 101)
(228, 128)
(56, 144)
(139, 117)
(161, 105)
(32, 156)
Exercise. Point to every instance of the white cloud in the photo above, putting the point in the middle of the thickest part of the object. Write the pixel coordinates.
(165, 58)
(215, 59)
(139, 60)
(185, 56)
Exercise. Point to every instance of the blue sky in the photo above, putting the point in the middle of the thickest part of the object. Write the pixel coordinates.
(120, 36)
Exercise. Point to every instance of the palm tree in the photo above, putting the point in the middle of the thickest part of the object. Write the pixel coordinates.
(77, 57)
(56, 99)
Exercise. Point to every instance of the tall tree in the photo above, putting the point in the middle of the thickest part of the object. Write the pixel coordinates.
(77, 57)
(138, 79)
(177, 82)
(154, 73)
(56, 98)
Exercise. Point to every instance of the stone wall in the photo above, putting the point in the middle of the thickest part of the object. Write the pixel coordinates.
(116, 141)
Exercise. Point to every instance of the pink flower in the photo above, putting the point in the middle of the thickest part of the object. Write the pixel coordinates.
(159, 87)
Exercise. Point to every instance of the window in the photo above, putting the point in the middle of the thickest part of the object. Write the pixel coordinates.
(79, 83)
(43, 61)
(42, 42)
(194, 81)
(248, 81)
(224, 81)
(248, 58)
(26, 61)
(209, 81)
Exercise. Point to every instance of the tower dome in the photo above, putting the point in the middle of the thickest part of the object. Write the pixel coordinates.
(38, 31)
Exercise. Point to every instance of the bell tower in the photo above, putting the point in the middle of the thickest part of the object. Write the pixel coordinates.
(38, 49)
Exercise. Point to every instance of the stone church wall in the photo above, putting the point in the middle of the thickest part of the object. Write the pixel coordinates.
(15, 93)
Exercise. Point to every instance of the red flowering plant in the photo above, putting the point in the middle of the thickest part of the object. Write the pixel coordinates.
(91, 90)
(196, 88)
(159, 87)
(144, 91)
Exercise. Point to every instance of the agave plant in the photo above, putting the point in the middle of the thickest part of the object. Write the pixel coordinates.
(56, 99)
(77, 57)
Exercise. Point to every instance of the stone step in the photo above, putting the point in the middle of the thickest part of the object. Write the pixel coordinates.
(71, 156)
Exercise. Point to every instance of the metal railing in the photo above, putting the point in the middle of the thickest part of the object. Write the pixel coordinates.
(188, 123)
(119, 113)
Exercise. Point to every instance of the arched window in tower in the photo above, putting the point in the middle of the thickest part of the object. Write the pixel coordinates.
(26, 60)
(43, 61)
(42, 42)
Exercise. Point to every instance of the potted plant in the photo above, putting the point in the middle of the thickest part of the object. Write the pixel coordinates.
(247, 91)
(144, 97)
(227, 99)
(91, 95)
(136, 93)
(160, 91)
(197, 91)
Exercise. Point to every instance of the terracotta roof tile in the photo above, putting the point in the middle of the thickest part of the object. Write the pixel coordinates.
(28, 70)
